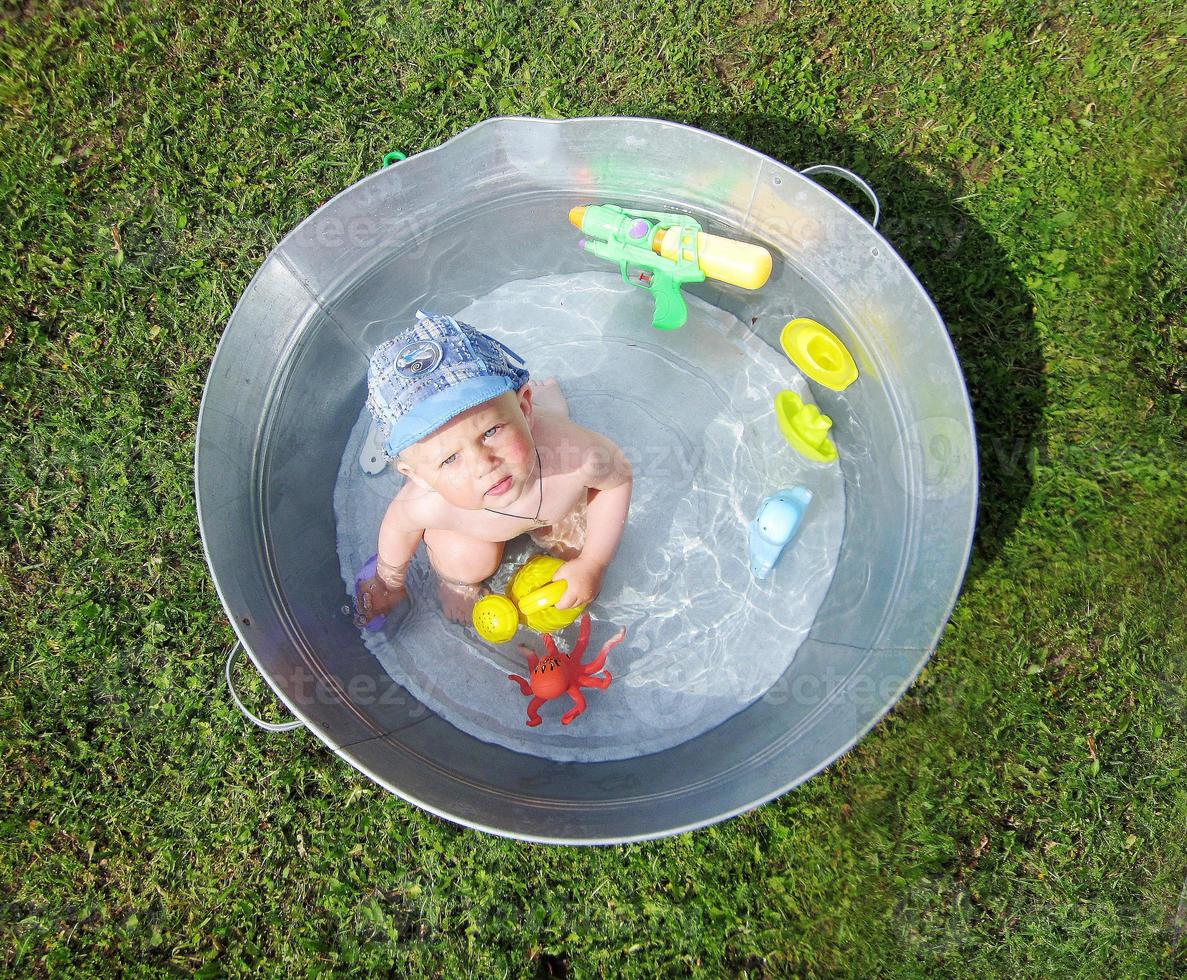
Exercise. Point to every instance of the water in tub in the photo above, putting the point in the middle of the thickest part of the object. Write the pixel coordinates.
(692, 410)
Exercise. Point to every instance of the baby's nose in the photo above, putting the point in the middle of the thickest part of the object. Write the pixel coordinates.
(484, 462)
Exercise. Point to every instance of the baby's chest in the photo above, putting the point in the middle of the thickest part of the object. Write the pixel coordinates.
(562, 494)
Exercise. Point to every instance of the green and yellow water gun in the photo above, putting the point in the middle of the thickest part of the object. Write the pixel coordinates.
(664, 251)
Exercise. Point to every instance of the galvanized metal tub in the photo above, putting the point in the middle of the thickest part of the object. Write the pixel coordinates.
(457, 221)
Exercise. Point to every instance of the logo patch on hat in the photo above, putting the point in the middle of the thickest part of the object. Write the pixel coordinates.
(418, 358)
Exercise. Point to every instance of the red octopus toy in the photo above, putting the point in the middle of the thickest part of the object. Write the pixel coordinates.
(560, 673)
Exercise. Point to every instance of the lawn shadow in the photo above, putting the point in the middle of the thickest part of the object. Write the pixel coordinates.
(988, 312)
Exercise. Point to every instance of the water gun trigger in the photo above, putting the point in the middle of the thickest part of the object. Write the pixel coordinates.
(637, 276)
(670, 309)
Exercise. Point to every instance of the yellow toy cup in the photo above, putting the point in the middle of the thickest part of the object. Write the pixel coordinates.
(819, 353)
(531, 600)
(536, 595)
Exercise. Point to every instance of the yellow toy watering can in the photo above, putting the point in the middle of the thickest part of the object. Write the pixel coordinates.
(531, 600)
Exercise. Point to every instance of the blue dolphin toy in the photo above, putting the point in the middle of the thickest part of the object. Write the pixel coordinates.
(779, 517)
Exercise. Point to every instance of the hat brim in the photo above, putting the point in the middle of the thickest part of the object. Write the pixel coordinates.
(427, 417)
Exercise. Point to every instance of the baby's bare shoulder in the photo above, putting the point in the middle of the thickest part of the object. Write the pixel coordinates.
(415, 510)
(412, 509)
(572, 447)
(565, 438)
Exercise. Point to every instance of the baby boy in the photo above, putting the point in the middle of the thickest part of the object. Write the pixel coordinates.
(487, 455)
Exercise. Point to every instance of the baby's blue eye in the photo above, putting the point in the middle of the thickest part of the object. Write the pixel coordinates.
(491, 431)
(446, 462)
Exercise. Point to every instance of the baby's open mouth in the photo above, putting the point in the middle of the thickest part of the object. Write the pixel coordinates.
(500, 488)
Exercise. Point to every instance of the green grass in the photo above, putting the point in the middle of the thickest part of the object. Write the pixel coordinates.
(1021, 811)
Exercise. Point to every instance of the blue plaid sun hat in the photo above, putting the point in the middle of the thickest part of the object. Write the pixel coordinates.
(433, 371)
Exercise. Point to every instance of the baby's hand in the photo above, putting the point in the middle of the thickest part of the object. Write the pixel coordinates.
(376, 598)
(584, 580)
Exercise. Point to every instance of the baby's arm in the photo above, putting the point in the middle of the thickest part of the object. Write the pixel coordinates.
(399, 538)
(609, 479)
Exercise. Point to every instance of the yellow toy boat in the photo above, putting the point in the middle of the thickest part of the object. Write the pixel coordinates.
(804, 427)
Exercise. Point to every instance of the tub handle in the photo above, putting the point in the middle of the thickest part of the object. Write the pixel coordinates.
(849, 175)
(268, 726)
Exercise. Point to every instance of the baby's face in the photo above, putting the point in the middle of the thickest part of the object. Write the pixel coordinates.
(482, 458)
